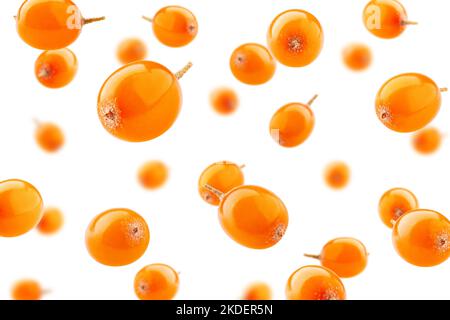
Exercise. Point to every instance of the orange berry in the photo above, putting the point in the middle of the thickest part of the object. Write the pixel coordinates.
(427, 141)
(345, 256)
(337, 175)
(422, 237)
(394, 203)
(385, 19)
(56, 68)
(295, 38)
(174, 26)
(117, 237)
(315, 283)
(153, 175)
(27, 290)
(130, 50)
(51, 222)
(292, 124)
(20, 207)
(252, 64)
(156, 282)
(224, 101)
(49, 137)
(357, 56)
(140, 101)
(50, 24)
(222, 176)
(408, 102)
(258, 291)
(253, 217)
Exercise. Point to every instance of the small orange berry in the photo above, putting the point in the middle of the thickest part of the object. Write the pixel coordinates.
(117, 237)
(345, 256)
(26, 290)
(385, 19)
(49, 137)
(252, 64)
(422, 237)
(221, 176)
(224, 101)
(20, 207)
(394, 203)
(427, 141)
(258, 291)
(153, 175)
(337, 175)
(253, 217)
(357, 56)
(408, 102)
(50, 24)
(51, 222)
(156, 282)
(174, 26)
(295, 38)
(292, 124)
(131, 50)
(140, 101)
(315, 283)
(56, 68)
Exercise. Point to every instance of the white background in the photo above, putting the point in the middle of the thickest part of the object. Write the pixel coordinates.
(96, 172)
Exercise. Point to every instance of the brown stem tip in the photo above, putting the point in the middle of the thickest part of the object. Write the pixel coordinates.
(443, 89)
(409, 23)
(213, 190)
(183, 71)
(147, 19)
(313, 99)
(313, 256)
(91, 20)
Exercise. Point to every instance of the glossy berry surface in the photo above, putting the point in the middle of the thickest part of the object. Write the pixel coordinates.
(131, 50)
(139, 102)
(51, 222)
(422, 237)
(175, 26)
(427, 141)
(153, 174)
(253, 217)
(295, 38)
(156, 282)
(357, 56)
(117, 237)
(315, 283)
(408, 102)
(224, 101)
(394, 203)
(222, 176)
(49, 137)
(252, 64)
(21, 207)
(56, 68)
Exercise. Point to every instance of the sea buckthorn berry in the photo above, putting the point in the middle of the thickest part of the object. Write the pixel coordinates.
(50, 24)
(252, 64)
(347, 257)
(258, 291)
(427, 141)
(130, 50)
(51, 222)
(174, 26)
(224, 101)
(117, 237)
(337, 175)
(222, 176)
(21, 207)
(394, 203)
(27, 290)
(295, 38)
(253, 217)
(386, 19)
(422, 237)
(56, 68)
(357, 56)
(49, 137)
(140, 101)
(153, 175)
(408, 102)
(315, 283)
(292, 124)
(156, 282)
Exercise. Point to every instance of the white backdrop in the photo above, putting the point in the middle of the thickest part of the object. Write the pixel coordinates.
(95, 171)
